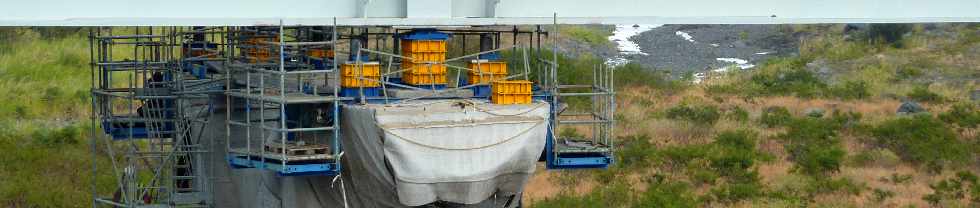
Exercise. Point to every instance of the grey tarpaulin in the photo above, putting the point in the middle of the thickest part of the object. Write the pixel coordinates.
(459, 151)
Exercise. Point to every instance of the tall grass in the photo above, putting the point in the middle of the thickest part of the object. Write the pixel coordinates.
(43, 120)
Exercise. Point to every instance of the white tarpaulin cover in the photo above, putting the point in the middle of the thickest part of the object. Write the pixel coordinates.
(458, 151)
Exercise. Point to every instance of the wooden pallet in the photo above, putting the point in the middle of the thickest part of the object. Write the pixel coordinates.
(293, 149)
(279, 157)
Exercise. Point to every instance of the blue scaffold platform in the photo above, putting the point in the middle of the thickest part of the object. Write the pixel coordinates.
(242, 161)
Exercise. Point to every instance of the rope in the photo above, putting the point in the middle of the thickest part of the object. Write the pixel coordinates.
(517, 114)
(466, 148)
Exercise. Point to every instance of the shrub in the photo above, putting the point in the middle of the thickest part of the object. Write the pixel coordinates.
(964, 115)
(846, 119)
(731, 156)
(65, 135)
(828, 185)
(818, 161)
(636, 152)
(734, 192)
(789, 81)
(850, 90)
(921, 139)
(738, 114)
(667, 194)
(880, 195)
(814, 145)
(701, 115)
(877, 157)
(962, 186)
(775, 116)
(922, 94)
(888, 33)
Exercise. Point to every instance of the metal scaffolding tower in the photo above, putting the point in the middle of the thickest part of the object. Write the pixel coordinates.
(147, 107)
(290, 104)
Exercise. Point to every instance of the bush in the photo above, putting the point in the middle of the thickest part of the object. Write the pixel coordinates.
(731, 156)
(775, 116)
(661, 193)
(65, 135)
(850, 90)
(829, 185)
(877, 157)
(635, 152)
(963, 186)
(922, 94)
(846, 119)
(789, 81)
(888, 33)
(738, 114)
(922, 139)
(964, 115)
(813, 144)
(701, 115)
(734, 192)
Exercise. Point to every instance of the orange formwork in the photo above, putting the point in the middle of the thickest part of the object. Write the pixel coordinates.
(424, 79)
(423, 46)
(351, 75)
(487, 67)
(511, 92)
(484, 71)
(320, 53)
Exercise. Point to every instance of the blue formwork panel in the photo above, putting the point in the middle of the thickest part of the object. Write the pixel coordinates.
(135, 130)
(199, 71)
(569, 161)
(320, 64)
(424, 34)
(356, 92)
(490, 56)
(481, 91)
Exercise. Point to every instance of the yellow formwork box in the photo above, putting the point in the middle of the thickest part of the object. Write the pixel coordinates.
(423, 68)
(490, 71)
(255, 55)
(424, 78)
(511, 92)
(424, 46)
(420, 57)
(320, 53)
(425, 62)
(351, 74)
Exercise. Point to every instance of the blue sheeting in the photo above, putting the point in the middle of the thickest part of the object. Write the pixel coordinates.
(424, 34)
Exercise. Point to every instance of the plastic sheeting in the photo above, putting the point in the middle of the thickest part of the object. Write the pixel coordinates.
(465, 152)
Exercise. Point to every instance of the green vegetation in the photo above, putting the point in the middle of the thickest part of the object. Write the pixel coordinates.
(963, 115)
(813, 144)
(953, 191)
(922, 139)
(43, 119)
(858, 78)
(922, 94)
(696, 114)
(595, 35)
(775, 116)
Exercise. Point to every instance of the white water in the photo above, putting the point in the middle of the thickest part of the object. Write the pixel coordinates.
(735, 62)
(685, 35)
(621, 36)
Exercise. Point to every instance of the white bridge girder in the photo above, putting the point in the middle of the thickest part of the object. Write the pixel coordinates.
(479, 12)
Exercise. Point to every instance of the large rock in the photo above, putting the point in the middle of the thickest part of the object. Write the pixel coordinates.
(909, 107)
